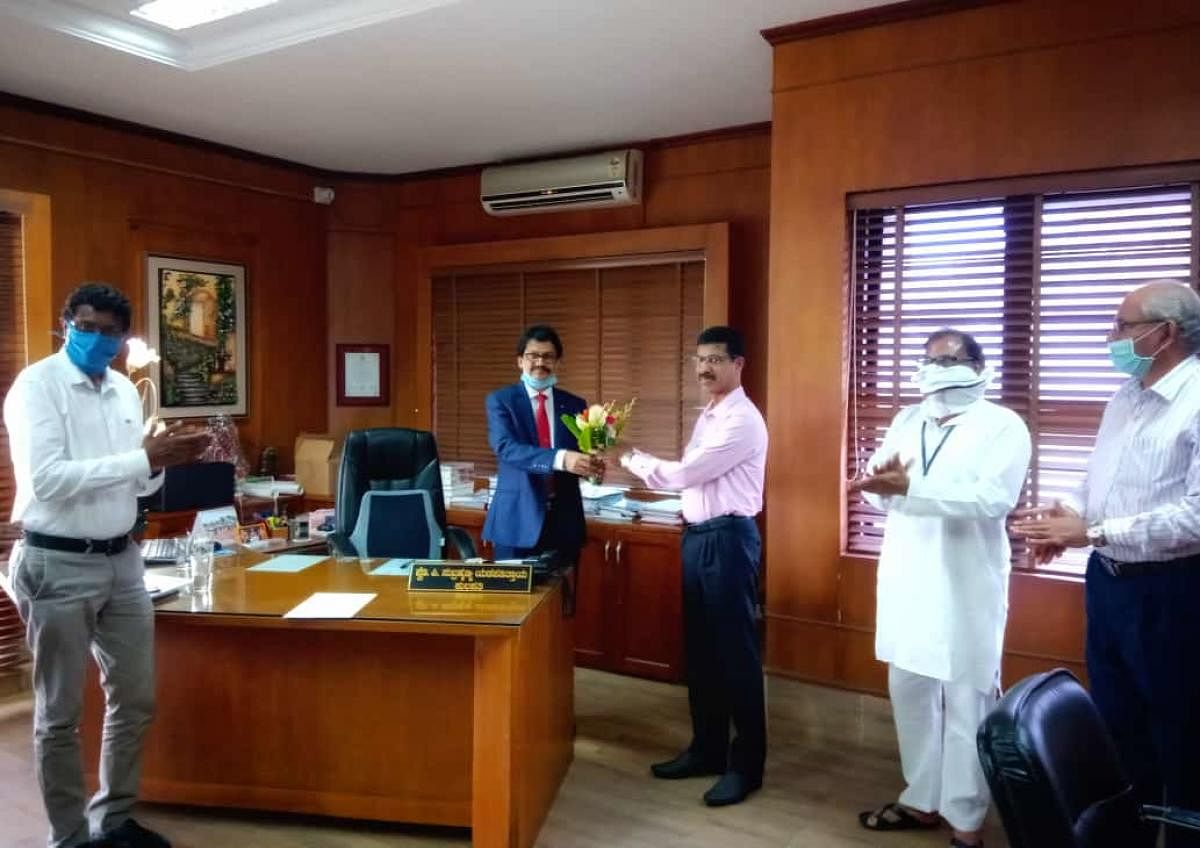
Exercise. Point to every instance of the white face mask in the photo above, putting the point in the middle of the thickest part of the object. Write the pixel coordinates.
(952, 401)
(950, 390)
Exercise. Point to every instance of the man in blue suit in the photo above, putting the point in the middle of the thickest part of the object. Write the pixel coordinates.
(536, 506)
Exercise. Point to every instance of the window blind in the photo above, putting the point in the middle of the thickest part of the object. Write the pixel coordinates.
(1037, 279)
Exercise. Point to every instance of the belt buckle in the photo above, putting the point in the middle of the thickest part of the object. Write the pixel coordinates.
(1110, 565)
(90, 547)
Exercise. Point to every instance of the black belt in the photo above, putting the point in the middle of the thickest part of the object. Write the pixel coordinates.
(108, 547)
(1143, 569)
(715, 523)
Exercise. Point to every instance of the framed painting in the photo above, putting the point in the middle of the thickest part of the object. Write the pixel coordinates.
(198, 324)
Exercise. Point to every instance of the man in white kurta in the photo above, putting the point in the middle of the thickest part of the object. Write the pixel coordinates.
(948, 473)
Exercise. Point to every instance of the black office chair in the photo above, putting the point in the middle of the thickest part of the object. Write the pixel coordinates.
(390, 459)
(1054, 774)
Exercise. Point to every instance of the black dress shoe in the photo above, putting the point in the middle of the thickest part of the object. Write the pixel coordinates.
(732, 788)
(130, 834)
(687, 764)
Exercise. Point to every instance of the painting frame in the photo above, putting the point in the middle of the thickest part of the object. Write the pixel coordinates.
(197, 311)
(353, 359)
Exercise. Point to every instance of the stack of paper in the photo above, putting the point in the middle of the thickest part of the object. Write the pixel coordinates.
(458, 480)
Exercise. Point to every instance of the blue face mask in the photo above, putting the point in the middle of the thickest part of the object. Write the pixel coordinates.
(91, 352)
(1127, 360)
(538, 384)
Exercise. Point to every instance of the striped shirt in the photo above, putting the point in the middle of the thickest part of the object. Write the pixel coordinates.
(1143, 478)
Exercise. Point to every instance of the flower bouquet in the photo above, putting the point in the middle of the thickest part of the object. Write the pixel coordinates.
(599, 427)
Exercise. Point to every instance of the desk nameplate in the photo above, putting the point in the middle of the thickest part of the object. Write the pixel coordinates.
(470, 577)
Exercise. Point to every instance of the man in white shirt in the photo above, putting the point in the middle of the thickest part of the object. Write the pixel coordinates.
(1139, 509)
(948, 473)
(81, 460)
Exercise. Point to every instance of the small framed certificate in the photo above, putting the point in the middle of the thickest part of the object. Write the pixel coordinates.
(363, 375)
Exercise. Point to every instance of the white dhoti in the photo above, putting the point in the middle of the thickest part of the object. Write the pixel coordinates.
(936, 722)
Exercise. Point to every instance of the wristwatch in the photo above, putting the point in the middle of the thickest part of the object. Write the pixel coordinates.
(1095, 535)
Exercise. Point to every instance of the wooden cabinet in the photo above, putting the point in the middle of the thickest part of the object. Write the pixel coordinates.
(628, 597)
(629, 601)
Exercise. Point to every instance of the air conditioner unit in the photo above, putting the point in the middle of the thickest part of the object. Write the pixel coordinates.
(580, 182)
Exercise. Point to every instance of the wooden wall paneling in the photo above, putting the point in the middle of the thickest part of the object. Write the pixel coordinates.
(115, 193)
(992, 91)
(36, 233)
(361, 306)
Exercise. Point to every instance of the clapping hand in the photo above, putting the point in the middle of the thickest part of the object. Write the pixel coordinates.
(1049, 530)
(889, 478)
(175, 444)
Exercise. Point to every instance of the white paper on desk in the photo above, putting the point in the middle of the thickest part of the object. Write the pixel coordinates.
(162, 585)
(331, 605)
(394, 568)
(290, 563)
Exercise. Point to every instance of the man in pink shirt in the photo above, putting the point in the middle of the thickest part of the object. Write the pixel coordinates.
(721, 477)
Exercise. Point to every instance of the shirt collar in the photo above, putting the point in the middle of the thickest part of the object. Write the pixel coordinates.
(533, 393)
(1170, 384)
(727, 404)
(75, 376)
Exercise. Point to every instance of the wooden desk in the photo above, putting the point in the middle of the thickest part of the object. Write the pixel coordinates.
(439, 708)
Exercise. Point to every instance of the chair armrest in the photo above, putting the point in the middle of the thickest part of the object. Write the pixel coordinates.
(1172, 816)
(339, 543)
(462, 542)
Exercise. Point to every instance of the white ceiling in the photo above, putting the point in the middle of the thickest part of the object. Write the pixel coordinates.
(452, 83)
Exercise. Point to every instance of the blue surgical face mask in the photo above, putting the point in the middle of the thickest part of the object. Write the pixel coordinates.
(91, 352)
(538, 384)
(1127, 360)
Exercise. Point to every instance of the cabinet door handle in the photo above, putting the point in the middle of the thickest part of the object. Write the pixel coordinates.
(607, 545)
(619, 544)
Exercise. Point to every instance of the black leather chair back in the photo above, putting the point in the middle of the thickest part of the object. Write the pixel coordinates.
(1053, 769)
(387, 458)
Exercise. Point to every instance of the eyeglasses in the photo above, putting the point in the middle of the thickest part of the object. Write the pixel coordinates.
(1120, 326)
(534, 358)
(711, 359)
(91, 327)
(946, 361)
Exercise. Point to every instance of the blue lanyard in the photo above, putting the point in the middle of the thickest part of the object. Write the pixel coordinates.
(926, 464)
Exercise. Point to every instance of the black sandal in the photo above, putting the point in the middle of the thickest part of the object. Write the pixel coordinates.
(903, 819)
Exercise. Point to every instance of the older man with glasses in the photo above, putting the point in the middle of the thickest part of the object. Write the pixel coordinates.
(948, 473)
(1138, 507)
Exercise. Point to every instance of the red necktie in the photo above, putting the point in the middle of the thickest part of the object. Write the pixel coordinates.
(543, 422)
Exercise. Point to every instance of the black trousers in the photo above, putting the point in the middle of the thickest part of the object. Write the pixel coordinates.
(560, 532)
(724, 664)
(1143, 660)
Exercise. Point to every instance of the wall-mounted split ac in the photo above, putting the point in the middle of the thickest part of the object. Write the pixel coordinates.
(613, 178)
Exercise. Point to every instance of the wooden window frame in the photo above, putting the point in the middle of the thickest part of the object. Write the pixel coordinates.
(1023, 197)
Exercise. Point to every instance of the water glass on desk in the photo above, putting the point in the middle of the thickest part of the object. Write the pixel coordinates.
(201, 563)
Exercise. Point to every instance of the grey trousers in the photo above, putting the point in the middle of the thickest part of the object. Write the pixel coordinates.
(73, 603)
